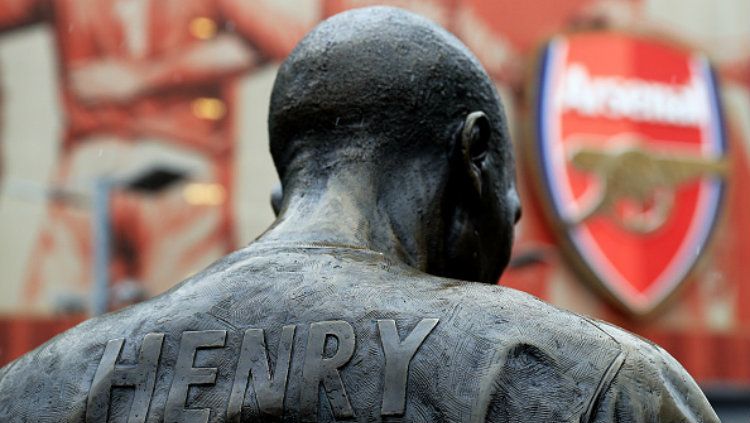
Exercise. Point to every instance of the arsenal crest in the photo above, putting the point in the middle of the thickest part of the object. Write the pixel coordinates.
(631, 155)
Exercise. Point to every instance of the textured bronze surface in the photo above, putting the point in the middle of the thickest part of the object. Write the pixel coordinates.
(363, 301)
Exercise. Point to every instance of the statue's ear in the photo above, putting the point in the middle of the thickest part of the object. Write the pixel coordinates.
(475, 139)
(276, 196)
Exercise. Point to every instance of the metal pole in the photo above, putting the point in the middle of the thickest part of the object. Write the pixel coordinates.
(102, 233)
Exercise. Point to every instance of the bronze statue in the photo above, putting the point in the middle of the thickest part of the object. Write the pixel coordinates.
(398, 189)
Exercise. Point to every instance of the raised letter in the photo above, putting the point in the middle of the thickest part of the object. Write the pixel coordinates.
(185, 375)
(317, 369)
(142, 376)
(398, 355)
(269, 390)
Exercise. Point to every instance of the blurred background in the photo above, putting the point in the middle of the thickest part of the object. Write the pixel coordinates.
(133, 153)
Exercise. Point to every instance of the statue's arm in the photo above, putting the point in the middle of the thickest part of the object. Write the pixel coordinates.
(16, 399)
(4, 371)
(651, 386)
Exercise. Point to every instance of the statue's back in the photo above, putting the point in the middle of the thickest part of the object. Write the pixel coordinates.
(315, 333)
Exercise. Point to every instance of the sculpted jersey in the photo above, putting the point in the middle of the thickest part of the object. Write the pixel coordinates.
(312, 333)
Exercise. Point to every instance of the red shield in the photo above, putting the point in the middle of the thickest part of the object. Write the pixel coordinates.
(631, 156)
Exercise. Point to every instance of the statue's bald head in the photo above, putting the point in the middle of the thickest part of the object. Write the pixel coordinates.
(380, 80)
(399, 102)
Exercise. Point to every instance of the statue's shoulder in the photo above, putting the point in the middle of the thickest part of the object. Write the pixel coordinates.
(536, 360)
(513, 314)
(648, 385)
(55, 379)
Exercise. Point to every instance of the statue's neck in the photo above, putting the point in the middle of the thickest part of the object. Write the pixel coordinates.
(349, 212)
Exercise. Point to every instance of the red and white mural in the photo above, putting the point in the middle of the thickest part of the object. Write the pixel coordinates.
(146, 87)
